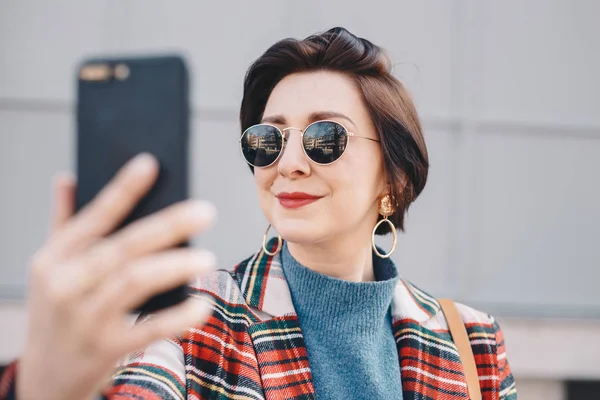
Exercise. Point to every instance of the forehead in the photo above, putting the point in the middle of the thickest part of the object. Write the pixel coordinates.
(299, 95)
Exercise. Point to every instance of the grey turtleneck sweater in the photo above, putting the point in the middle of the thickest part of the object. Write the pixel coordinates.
(347, 330)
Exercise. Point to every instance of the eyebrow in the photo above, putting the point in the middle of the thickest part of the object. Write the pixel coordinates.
(315, 116)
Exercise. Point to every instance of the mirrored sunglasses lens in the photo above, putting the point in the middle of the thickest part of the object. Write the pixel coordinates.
(325, 141)
(261, 145)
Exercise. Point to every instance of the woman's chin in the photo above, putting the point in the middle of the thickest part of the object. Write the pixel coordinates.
(300, 231)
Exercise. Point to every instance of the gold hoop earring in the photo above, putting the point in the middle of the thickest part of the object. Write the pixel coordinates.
(386, 208)
(264, 243)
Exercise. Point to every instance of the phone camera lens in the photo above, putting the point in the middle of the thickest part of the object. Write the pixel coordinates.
(121, 72)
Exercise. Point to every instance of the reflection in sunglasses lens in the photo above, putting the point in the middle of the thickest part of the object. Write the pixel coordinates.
(325, 141)
(261, 145)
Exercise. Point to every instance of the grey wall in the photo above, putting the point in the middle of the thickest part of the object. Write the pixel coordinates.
(508, 92)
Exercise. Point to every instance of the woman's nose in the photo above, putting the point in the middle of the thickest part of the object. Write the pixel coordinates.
(293, 163)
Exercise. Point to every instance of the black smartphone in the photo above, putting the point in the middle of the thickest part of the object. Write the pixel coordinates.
(126, 106)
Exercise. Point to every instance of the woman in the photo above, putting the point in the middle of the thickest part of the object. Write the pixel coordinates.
(338, 155)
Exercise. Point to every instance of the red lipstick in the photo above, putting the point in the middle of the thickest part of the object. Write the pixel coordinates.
(296, 199)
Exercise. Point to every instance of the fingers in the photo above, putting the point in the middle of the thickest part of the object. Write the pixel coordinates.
(64, 200)
(167, 323)
(108, 209)
(147, 276)
(164, 229)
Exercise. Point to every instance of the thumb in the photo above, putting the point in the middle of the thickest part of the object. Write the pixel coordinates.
(63, 200)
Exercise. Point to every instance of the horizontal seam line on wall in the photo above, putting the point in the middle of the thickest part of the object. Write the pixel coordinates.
(481, 125)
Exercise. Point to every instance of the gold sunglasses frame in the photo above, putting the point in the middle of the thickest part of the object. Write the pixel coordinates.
(302, 131)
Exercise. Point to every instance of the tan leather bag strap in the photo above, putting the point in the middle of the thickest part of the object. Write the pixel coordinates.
(461, 340)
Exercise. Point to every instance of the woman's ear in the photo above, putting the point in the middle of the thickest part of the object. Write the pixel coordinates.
(384, 188)
(403, 182)
(388, 188)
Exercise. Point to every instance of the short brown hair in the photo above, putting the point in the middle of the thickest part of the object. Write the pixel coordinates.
(391, 108)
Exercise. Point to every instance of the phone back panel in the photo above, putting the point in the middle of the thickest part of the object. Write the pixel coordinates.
(117, 119)
(120, 118)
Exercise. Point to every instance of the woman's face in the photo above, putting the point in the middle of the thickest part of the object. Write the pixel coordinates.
(346, 191)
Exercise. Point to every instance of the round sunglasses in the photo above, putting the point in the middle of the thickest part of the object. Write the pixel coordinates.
(324, 142)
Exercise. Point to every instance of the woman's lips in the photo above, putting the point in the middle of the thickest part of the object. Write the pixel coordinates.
(296, 199)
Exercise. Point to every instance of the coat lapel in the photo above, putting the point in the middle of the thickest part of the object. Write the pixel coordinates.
(429, 361)
(277, 338)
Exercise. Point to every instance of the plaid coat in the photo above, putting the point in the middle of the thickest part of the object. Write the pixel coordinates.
(252, 347)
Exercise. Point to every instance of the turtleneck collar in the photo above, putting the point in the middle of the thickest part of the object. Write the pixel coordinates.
(334, 305)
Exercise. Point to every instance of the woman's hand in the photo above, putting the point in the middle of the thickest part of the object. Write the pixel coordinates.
(84, 281)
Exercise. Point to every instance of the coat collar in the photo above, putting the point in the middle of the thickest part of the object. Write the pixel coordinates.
(429, 360)
(265, 289)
